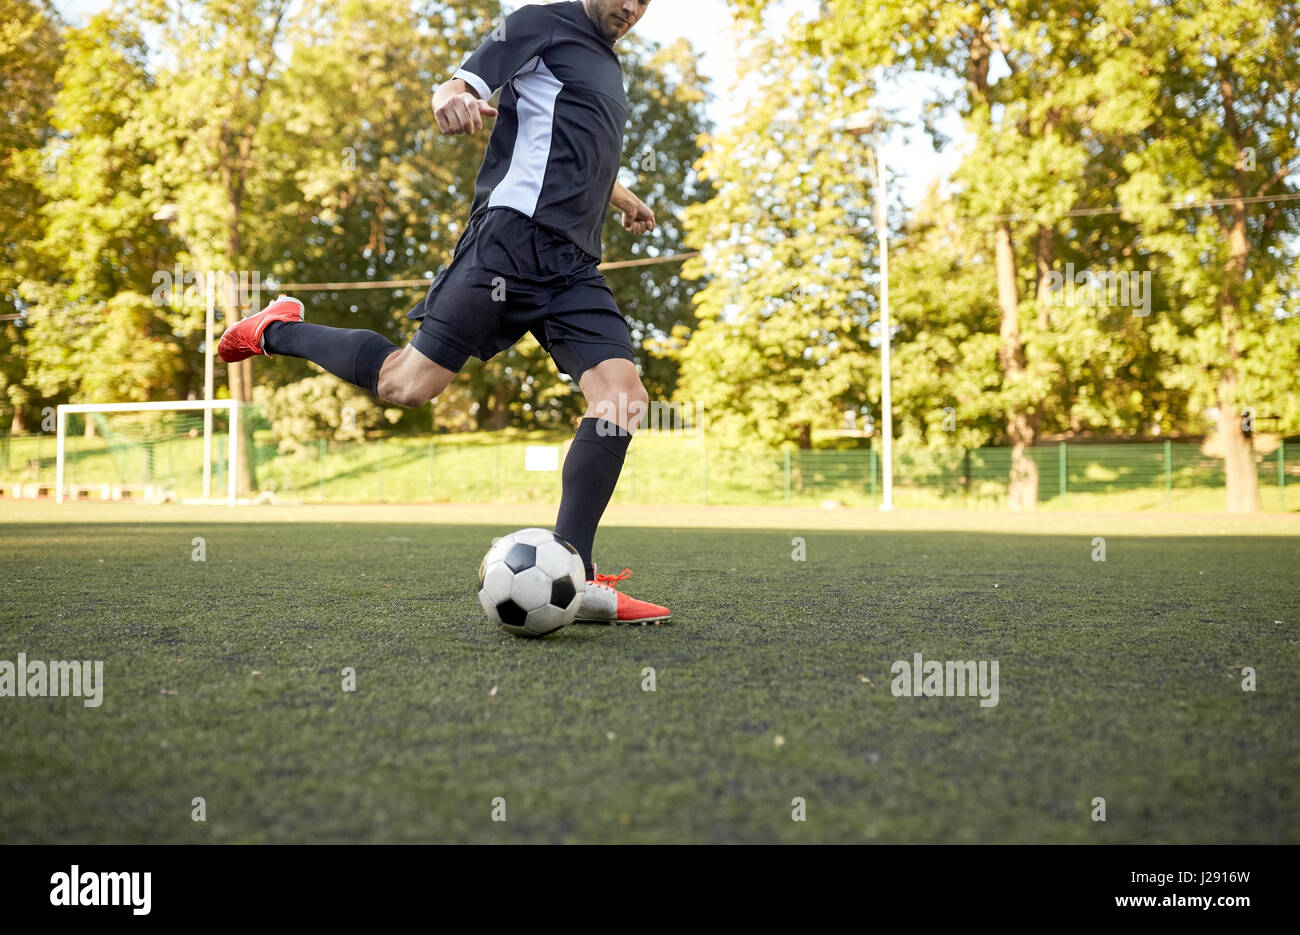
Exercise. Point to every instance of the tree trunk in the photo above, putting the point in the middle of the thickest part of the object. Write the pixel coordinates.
(499, 417)
(1022, 427)
(1045, 256)
(1238, 452)
(1242, 477)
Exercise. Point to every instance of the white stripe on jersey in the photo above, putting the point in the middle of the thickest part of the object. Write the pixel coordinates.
(536, 91)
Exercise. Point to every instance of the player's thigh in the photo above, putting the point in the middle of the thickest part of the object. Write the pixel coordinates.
(594, 347)
(585, 344)
(479, 305)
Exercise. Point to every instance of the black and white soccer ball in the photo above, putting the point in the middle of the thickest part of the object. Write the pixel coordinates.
(531, 582)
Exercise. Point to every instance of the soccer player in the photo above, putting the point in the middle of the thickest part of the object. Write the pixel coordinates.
(526, 260)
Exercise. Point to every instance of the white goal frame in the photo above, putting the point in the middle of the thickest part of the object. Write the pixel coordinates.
(207, 405)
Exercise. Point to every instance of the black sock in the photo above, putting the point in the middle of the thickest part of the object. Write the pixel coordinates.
(349, 353)
(591, 470)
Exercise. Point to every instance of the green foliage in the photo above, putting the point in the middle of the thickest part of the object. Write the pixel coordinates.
(1071, 108)
(92, 332)
(1229, 116)
(119, 350)
(296, 141)
(781, 342)
(30, 54)
(666, 98)
(945, 374)
(298, 146)
(318, 407)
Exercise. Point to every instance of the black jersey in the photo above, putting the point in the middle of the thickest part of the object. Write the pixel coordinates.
(554, 152)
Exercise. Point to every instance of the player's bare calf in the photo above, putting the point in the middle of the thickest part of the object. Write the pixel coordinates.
(408, 378)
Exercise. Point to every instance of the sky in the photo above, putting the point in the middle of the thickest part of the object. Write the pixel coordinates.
(913, 163)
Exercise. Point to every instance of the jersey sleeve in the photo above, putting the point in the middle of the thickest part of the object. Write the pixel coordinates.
(511, 46)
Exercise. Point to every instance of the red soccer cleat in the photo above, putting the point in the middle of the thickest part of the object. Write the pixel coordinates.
(601, 603)
(244, 338)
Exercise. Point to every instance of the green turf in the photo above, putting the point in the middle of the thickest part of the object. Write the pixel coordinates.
(1117, 680)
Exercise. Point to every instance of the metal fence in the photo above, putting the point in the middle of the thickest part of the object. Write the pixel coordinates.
(660, 468)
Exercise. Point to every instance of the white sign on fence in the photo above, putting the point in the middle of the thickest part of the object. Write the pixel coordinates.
(541, 458)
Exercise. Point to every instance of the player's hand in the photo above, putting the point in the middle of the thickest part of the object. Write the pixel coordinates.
(641, 221)
(462, 114)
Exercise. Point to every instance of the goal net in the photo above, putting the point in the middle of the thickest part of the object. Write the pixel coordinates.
(186, 451)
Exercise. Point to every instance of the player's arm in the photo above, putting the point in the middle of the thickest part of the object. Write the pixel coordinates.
(458, 110)
(460, 104)
(637, 216)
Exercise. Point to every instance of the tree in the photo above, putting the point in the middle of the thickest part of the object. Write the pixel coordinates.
(781, 343)
(666, 100)
(1070, 103)
(359, 183)
(945, 365)
(205, 117)
(1022, 173)
(93, 332)
(31, 50)
(1224, 126)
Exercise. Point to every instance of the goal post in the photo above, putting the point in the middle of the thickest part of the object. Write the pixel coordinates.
(206, 406)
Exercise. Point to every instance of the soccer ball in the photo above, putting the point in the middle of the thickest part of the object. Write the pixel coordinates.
(531, 582)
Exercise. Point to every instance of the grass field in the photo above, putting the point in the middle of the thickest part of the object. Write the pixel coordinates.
(223, 679)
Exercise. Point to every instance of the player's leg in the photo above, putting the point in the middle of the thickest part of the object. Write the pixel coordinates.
(616, 404)
(615, 394)
(352, 354)
(409, 376)
(456, 315)
(616, 401)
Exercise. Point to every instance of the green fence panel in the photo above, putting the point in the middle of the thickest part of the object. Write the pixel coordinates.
(660, 468)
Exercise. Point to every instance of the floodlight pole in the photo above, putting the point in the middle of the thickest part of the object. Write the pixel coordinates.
(886, 379)
(861, 124)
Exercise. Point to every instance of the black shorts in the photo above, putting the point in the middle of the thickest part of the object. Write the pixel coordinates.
(509, 275)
